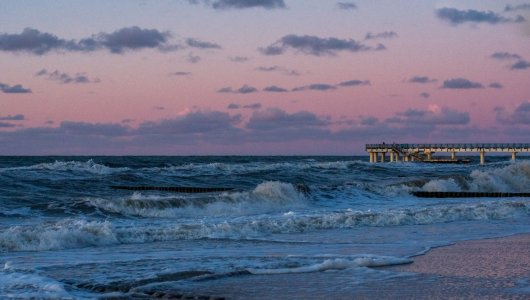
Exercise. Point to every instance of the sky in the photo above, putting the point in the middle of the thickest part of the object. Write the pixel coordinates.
(260, 77)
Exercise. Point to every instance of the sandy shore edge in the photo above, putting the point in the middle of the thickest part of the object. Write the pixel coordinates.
(504, 257)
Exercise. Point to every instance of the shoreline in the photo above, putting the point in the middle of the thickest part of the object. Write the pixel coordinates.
(491, 268)
(501, 257)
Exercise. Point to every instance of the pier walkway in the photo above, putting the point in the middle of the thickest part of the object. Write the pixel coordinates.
(424, 152)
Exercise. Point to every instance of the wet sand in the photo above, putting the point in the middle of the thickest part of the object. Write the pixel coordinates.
(507, 257)
(488, 269)
(478, 269)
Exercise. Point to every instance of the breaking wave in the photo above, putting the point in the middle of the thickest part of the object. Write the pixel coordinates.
(242, 168)
(65, 234)
(75, 166)
(266, 197)
(73, 233)
(513, 178)
(335, 264)
(29, 285)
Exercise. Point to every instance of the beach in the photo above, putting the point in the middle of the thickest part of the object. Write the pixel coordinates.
(496, 268)
(487, 268)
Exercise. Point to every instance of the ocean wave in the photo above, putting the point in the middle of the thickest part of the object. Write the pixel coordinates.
(295, 223)
(17, 212)
(513, 178)
(76, 166)
(335, 264)
(64, 234)
(73, 233)
(266, 197)
(26, 284)
(253, 167)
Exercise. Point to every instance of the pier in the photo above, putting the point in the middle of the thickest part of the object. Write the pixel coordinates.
(425, 152)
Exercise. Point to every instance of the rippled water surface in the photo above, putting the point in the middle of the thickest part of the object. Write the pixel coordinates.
(66, 233)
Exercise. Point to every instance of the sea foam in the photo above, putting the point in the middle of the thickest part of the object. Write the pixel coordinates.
(25, 284)
(335, 264)
(76, 166)
(513, 178)
(64, 234)
(265, 197)
(73, 233)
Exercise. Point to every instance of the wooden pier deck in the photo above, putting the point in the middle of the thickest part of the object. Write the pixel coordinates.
(424, 152)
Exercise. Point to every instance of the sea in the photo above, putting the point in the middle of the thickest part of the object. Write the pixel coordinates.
(289, 227)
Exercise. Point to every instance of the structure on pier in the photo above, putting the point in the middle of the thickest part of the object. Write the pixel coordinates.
(424, 152)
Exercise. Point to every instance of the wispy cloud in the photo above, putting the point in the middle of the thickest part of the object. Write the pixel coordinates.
(461, 83)
(192, 58)
(33, 41)
(246, 106)
(134, 38)
(315, 87)
(180, 73)
(524, 6)
(380, 35)
(346, 5)
(14, 89)
(421, 79)
(317, 46)
(241, 4)
(354, 82)
(17, 117)
(495, 85)
(520, 65)
(278, 69)
(66, 78)
(194, 43)
(505, 56)
(7, 125)
(456, 17)
(520, 115)
(275, 89)
(434, 116)
(238, 59)
(245, 89)
(193, 131)
(425, 95)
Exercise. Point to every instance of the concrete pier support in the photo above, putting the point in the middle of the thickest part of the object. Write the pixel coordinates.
(427, 152)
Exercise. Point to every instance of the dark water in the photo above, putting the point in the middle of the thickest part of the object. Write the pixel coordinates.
(66, 233)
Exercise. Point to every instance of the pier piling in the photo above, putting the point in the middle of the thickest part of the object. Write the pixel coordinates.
(425, 152)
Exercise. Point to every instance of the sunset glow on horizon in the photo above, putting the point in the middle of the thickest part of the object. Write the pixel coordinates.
(267, 77)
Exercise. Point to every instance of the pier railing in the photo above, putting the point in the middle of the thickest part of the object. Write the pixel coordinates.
(424, 152)
(525, 146)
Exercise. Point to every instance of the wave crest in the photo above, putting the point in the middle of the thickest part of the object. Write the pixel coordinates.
(76, 166)
(80, 233)
(336, 264)
(266, 197)
(514, 178)
(64, 234)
